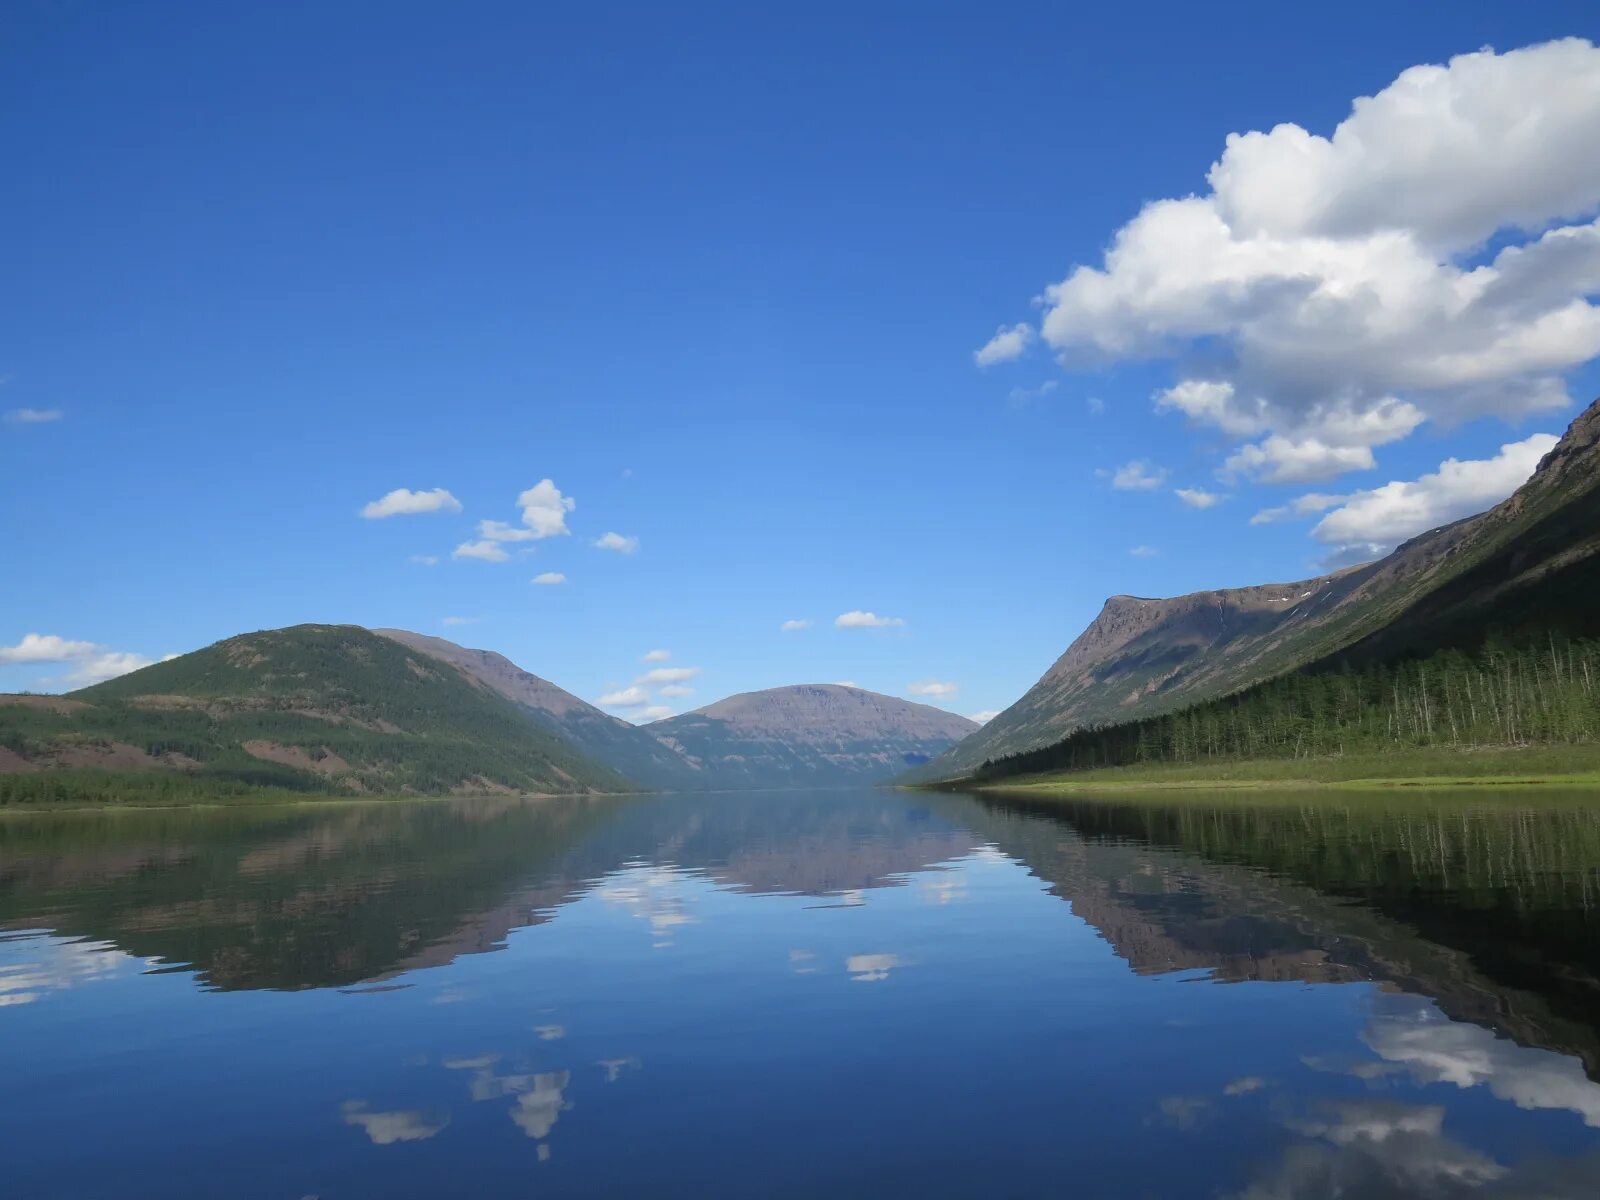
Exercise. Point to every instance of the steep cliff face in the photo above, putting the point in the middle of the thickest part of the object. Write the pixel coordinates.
(810, 735)
(1534, 557)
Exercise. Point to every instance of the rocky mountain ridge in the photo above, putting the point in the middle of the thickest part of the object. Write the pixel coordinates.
(1528, 557)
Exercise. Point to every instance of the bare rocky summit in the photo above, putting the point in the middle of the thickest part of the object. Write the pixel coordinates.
(815, 734)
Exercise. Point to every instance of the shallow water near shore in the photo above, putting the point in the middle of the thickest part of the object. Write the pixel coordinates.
(794, 994)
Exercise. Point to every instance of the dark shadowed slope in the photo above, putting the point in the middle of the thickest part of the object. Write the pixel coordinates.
(1531, 559)
(624, 748)
(810, 735)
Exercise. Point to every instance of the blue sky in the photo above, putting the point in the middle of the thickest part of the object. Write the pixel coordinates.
(719, 274)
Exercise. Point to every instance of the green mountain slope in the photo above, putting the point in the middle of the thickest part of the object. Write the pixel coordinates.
(809, 735)
(326, 708)
(623, 747)
(1533, 560)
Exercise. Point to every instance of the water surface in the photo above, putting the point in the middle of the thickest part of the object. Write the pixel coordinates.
(846, 994)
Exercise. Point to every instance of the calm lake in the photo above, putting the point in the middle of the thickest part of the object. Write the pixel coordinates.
(806, 994)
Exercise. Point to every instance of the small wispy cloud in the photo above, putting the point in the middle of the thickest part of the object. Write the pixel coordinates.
(549, 578)
(1198, 497)
(1144, 552)
(501, 531)
(403, 502)
(1007, 344)
(655, 656)
(984, 717)
(458, 620)
(424, 560)
(483, 551)
(932, 687)
(1304, 506)
(667, 675)
(628, 697)
(617, 542)
(1021, 397)
(857, 619)
(796, 624)
(1140, 475)
(33, 416)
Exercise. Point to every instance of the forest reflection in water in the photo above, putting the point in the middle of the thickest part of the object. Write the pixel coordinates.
(823, 987)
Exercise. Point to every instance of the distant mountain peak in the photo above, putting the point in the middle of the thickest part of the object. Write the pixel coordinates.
(811, 734)
(625, 748)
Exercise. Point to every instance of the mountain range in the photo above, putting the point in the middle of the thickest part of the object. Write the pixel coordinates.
(342, 709)
(1529, 565)
(339, 708)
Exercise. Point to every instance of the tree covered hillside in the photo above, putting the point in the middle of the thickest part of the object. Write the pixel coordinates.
(316, 708)
(1504, 694)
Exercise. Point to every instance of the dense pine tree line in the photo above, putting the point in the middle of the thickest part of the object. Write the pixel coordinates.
(1502, 695)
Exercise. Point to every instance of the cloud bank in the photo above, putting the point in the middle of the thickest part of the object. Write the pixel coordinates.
(1434, 258)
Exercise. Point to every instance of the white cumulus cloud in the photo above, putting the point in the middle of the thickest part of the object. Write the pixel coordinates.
(97, 668)
(1342, 288)
(89, 662)
(549, 578)
(545, 509)
(617, 542)
(984, 717)
(403, 502)
(628, 697)
(45, 647)
(655, 656)
(857, 619)
(1007, 344)
(1389, 514)
(931, 687)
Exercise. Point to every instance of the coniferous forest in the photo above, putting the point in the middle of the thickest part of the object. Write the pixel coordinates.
(1503, 694)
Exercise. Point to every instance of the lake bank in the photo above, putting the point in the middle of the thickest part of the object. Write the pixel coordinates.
(1498, 766)
(82, 790)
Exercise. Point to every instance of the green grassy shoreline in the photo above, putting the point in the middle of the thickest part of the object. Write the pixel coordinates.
(65, 790)
(1496, 766)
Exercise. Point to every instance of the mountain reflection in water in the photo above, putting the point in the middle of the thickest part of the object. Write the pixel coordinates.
(857, 993)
